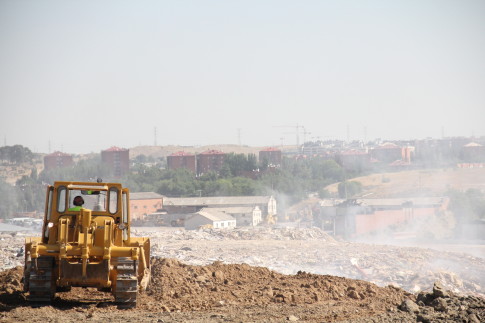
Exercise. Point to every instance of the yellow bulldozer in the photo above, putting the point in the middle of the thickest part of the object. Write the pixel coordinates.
(87, 244)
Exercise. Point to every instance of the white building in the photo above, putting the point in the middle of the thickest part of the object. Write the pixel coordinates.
(244, 215)
(210, 217)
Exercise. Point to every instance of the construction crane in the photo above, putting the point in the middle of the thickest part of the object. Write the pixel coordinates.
(298, 129)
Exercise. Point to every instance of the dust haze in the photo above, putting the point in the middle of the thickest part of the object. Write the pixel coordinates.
(361, 121)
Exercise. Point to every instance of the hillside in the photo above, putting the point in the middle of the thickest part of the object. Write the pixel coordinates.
(432, 182)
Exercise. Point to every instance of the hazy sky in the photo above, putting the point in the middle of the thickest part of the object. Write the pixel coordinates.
(88, 75)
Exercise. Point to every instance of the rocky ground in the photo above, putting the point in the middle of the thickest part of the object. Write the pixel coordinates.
(290, 250)
(268, 275)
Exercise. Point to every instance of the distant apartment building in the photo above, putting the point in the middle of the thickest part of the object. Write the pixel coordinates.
(353, 160)
(473, 152)
(387, 152)
(118, 159)
(439, 150)
(57, 160)
(210, 160)
(271, 155)
(321, 149)
(182, 160)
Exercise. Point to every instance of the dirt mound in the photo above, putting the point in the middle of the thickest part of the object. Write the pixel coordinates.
(182, 287)
(11, 287)
(238, 292)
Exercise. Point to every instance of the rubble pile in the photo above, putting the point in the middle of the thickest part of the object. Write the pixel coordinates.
(291, 250)
(413, 269)
(11, 250)
(252, 233)
(441, 305)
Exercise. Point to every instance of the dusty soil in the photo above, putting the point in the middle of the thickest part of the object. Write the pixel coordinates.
(433, 182)
(289, 250)
(269, 275)
(241, 293)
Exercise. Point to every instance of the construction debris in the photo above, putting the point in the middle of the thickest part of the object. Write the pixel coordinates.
(289, 250)
(234, 293)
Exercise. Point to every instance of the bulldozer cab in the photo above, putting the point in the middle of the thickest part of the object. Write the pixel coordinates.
(108, 200)
(93, 200)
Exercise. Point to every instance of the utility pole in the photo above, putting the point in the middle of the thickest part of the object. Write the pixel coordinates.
(297, 129)
(304, 134)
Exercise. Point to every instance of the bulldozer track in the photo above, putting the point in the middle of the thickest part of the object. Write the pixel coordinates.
(42, 286)
(126, 287)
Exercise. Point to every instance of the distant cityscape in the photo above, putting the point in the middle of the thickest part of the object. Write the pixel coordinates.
(346, 216)
(352, 156)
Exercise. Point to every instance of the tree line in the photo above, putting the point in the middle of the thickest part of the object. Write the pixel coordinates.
(240, 175)
(16, 154)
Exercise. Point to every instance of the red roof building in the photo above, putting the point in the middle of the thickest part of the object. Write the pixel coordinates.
(210, 160)
(271, 155)
(118, 159)
(183, 160)
(387, 153)
(473, 152)
(57, 160)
